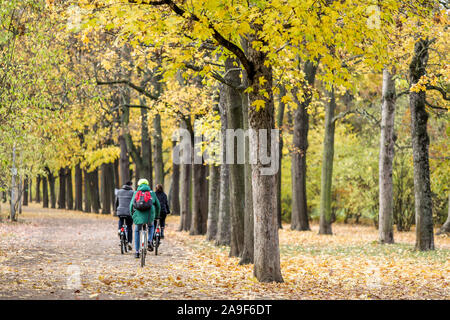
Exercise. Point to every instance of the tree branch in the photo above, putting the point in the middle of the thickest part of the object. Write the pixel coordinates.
(230, 46)
(130, 84)
(435, 107)
(441, 90)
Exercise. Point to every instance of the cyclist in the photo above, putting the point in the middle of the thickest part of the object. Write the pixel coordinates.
(162, 197)
(121, 209)
(142, 217)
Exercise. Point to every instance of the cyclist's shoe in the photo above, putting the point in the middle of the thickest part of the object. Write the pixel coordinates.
(129, 247)
(136, 255)
(150, 247)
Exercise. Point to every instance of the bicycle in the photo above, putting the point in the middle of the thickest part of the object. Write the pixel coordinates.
(157, 237)
(123, 234)
(144, 239)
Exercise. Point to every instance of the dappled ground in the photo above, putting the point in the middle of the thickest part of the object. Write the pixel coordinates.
(54, 254)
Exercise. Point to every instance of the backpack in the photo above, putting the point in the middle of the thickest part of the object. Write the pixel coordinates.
(143, 201)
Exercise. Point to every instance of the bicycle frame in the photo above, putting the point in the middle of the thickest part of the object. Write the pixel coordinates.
(144, 239)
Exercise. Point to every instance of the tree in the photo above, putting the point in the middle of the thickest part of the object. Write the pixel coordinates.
(420, 143)
(387, 140)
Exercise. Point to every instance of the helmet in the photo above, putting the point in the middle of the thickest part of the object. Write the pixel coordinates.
(143, 181)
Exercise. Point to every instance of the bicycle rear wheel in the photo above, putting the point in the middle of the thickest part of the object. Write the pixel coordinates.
(156, 246)
(122, 245)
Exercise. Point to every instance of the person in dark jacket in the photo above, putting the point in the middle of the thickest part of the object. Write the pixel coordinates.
(122, 209)
(162, 197)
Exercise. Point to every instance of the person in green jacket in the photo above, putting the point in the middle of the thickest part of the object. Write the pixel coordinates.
(141, 217)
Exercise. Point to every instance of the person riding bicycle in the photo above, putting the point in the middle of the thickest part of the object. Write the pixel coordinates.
(121, 209)
(162, 197)
(146, 216)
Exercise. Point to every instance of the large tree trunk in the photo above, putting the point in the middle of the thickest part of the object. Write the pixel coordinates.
(124, 162)
(175, 188)
(300, 143)
(25, 191)
(248, 253)
(87, 194)
(146, 170)
(78, 188)
(30, 190)
(387, 139)
(116, 175)
(62, 189)
(446, 226)
(233, 102)
(107, 181)
(200, 200)
(94, 190)
(44, 192)
(327, 167)
(158, 159)
(267, 252)
(420, 144)
(185, 185)
(38, 191)
(51, 182)
(280, 116)
(69, 189)
(213, 201)
(223, 236)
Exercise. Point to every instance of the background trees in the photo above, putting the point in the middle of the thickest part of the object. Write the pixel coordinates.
(93, 103)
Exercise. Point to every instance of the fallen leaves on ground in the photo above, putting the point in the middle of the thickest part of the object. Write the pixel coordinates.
(72, 255)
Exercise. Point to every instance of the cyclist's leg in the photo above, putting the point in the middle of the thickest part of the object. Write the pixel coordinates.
(120, 222)
(151, 228)
(162, 224)
(137, 242)
(129, 222)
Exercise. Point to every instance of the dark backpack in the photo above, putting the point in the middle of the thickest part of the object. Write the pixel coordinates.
(142, 201)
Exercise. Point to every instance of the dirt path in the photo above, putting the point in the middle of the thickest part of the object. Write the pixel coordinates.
(55, 254)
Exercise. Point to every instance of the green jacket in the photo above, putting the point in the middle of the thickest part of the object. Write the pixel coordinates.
(141, 217)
